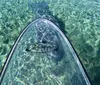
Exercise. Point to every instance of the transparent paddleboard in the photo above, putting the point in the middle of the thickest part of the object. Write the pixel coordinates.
(42, 55)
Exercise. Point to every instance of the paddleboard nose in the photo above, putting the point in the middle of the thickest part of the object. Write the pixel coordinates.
(42, 55)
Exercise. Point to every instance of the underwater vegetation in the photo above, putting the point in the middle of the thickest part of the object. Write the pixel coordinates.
(82, 26)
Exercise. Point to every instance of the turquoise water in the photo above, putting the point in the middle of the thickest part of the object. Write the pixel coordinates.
(80, 17)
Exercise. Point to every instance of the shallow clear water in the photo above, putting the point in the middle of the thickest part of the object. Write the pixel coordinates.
(80, 17)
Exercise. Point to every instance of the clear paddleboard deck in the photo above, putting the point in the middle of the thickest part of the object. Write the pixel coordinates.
(42, 55)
